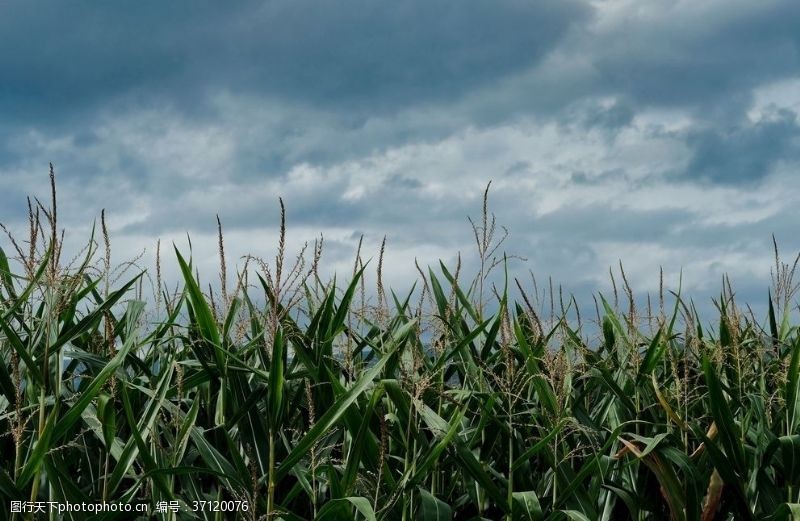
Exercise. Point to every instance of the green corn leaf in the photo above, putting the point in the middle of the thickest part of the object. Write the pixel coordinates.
(73, 414)
(629, 498)
(527, 506)
(472, 467)
(19, 346)
(433, 508)
(202, 312)
(786, 512)
(787, 450)
(730, 436)
(107, 417)
(29, 289)
(9, 489)
(140, 427)
(89, 321)
(340, 509)
(652, 357)
(41, 447)
(354, 459)
(182, 439)
(444, 438)
(332, 415)
(6, 277)
(538, 446)
(773, 324)
(215, 460)
(792, 389)
(574, 515)
(670, 483)
(460, 295)
(276, 380)
(723, 464)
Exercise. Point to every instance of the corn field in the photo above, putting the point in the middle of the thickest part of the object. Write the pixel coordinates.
(275, 394)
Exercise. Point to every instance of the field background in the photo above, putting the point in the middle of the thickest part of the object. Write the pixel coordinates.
(472, 397)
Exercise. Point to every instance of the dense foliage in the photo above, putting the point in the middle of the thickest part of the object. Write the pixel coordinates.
(298, 398)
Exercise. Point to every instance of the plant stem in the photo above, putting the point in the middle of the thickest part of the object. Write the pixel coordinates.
(271, 476)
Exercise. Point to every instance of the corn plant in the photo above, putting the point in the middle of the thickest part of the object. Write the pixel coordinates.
(291, 397)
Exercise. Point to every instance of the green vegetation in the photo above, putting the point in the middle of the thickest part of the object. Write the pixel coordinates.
(300, 399)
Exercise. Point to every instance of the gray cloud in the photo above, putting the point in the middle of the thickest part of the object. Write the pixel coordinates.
(614, 117)
(705, 54)
(622, 129)
(362, 57)
(745, 152)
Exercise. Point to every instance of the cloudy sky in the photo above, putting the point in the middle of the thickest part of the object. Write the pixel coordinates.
(658, 133)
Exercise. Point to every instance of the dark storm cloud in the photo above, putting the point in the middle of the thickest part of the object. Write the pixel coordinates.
(745, 152)
(360, 55)
(706, 55)
(335, 69)
(363, 58)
